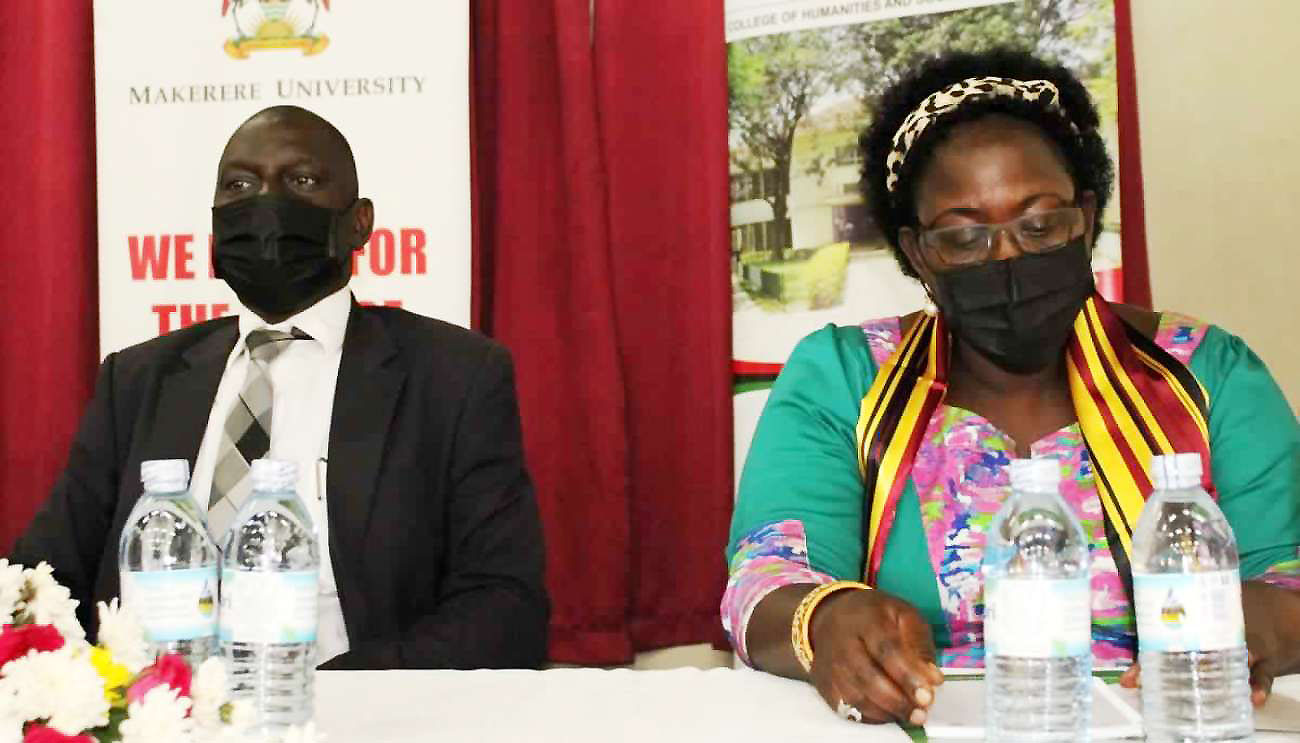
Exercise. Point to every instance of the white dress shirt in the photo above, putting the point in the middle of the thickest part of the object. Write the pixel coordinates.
(303, 377)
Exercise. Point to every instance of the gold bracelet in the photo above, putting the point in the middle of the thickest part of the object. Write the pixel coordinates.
(801, 623)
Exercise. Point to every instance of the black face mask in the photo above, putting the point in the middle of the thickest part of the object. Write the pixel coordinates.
(1019, 312)
(277, 253)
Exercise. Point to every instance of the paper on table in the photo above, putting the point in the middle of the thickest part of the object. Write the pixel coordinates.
(958, 712)
(1281, 713)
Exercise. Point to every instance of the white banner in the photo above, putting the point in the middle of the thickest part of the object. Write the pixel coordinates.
(174, 79)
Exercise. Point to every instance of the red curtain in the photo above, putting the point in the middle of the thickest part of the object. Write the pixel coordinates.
(662, 91)
(49, 340)
(545, 292)
(1132, 211)
(601, 205)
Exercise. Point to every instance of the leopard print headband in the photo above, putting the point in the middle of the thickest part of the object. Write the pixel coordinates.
(945, 101)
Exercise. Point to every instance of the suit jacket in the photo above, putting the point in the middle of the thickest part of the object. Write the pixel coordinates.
(433, 525)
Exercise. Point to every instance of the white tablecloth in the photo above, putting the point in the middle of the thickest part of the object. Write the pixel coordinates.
(577, 705)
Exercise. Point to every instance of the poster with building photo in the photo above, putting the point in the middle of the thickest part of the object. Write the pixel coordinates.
(803, 77)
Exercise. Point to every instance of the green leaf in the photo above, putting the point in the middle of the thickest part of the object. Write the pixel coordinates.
(110, 732)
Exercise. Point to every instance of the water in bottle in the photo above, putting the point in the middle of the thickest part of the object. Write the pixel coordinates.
(1037, 616)
(268, 600)
(169, 565)
(1191, 636)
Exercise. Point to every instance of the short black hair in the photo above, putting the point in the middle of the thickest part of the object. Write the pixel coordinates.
(287, 112)
(1074, 130)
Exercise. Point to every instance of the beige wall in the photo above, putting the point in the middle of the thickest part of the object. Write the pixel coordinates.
(1220, 119)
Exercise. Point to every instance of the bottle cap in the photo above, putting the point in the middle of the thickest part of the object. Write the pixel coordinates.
(1042, 475)
(274, 475)
(165, 475)
(1176, 471)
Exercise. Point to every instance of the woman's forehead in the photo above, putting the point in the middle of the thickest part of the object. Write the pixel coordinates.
(990, 162)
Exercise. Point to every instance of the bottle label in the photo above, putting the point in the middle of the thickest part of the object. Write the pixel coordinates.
(172, 605)
(259, 607)
(1037, 618)
(1189, 612)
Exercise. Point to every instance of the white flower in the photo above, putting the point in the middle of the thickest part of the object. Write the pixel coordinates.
(242, 715)
(305, 734)
(8, 706)
(11, 725)
(160, 717)
(238, 730)
(11, 730)
(61, 686)
(52, 604)
(122, 635)
(225, 734)
(209, 692)
(11, 590)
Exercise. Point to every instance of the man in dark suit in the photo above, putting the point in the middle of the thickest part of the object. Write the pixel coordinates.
(431, 539)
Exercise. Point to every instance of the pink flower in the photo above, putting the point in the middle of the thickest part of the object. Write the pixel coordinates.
(16, 642)
(169, 670)
(42, 734)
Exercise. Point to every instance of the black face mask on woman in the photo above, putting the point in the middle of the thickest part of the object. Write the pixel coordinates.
(1019, 312)
(277, 253)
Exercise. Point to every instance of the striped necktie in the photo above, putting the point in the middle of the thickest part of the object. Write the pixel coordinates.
(247, 433)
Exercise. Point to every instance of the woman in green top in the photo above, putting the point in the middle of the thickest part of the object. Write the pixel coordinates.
(881, 454)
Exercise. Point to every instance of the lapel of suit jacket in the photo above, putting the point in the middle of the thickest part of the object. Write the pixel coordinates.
(186, 394)
(364, 400)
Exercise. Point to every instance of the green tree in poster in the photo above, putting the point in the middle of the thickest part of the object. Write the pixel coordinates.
(773, 81)
(1066, 31)
(776, 80)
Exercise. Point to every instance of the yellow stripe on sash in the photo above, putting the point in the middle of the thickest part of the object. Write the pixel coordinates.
(885, 378)
(1193, 409)
(1144, 411)
(1128, 428)
(898, 445)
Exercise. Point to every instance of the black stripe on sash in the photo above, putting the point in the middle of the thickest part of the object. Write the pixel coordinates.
(1176, 368)
(1122, 564)
(1117, 551)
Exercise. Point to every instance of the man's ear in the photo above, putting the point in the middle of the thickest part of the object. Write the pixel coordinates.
(361, 220)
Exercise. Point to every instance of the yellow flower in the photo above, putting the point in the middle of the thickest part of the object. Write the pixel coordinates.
(114, 674)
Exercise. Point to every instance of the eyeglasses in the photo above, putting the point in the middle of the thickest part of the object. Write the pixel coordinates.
(1037, 232)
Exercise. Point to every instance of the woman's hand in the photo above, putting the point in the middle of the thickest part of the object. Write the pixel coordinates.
(1272, 635)
(1272, 617)
(873, 658)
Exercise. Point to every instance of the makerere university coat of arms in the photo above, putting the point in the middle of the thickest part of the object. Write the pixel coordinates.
(274, 24)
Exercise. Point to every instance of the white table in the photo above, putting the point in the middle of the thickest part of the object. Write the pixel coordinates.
(577, 705)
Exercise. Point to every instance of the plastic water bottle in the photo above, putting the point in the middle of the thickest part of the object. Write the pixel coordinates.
(169, 565)
(1037, 615)
(1191, 635)
(268, 600)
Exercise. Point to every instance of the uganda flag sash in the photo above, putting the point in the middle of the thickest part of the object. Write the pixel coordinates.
(1133, 400)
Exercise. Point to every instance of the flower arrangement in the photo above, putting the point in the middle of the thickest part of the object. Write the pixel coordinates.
(55, 687)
